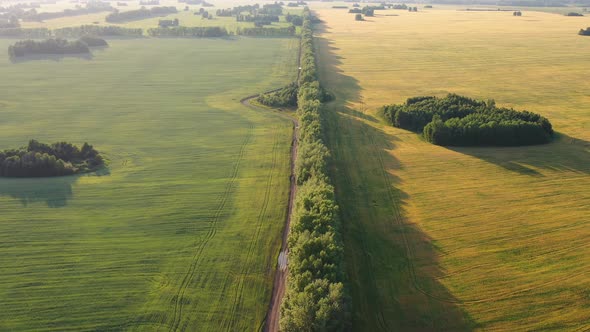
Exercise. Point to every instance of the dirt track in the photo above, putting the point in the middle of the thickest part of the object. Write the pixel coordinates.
(278, 290)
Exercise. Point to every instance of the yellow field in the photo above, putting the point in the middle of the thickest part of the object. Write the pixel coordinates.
(461, 238)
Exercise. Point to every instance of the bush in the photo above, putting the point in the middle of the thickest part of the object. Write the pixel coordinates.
(460, 121)
(39, 160)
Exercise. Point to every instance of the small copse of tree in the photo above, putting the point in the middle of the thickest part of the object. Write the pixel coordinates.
(584, 32)
(574, 14)
(460, 121)
(49, 46)
(285, 97)
(517, 13)
(40, 160)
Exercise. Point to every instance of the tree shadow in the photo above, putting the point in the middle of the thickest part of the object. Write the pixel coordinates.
(393, 266)
(52, 57)
(564, 153)
(54, 191)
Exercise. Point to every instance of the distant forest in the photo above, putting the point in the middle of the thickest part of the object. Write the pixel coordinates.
(460, 121)
(40, 160)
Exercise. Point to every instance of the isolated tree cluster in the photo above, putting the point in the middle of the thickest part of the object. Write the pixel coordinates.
(48, 46)
(584, 32)
(460, 121)
(39, 160)
(316, 298)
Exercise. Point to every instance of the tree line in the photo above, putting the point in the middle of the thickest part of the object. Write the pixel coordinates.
(316, 298)
(188, 32)
(39, 159)
(460, 121)
(95, 30)
(266, 32)
(90, 8)
(139, 14)
(25, 33)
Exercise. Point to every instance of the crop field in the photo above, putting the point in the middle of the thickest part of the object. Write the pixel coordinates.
(461, 238)
(183, 230)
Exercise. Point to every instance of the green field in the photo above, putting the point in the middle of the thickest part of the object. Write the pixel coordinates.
(463, 238)
(183, 230)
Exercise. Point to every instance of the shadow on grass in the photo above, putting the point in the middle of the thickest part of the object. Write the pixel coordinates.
(51, 57)
(392, 265)
(565, 153)
(54, 191)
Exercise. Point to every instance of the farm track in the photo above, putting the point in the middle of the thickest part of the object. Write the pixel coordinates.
(272, 317)
(212, 230)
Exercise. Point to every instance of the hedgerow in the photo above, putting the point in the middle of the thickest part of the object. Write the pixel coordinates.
(316, 298)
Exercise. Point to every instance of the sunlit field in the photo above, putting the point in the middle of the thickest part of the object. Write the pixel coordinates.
(463, 238)
(183, 229)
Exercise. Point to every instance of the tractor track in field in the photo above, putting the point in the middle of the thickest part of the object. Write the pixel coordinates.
(246, 266)
(178, 301)
(271, 322)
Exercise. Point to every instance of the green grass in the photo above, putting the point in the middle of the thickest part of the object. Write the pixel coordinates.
(184, 229)
(186, 18)
(462, 238)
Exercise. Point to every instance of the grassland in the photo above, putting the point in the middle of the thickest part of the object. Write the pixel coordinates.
(183, 231)
(462, 238)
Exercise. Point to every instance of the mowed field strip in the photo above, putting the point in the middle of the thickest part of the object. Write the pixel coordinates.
(183, 231)
(461, 238)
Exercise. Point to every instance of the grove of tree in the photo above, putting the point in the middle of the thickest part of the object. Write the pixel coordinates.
(41, 160)
(460, 121)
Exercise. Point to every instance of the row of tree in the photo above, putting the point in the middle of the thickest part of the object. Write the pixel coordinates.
(316, 297)
(188, 32)
(38, 159)
(140, 14)
(91, 7)
(266, 32)
(95, 30)
(48, 46)
(460, 121)
(26, 33)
